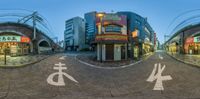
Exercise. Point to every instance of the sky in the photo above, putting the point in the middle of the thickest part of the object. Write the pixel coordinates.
(160, 13)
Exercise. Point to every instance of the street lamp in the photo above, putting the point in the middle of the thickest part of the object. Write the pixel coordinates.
(100, 15)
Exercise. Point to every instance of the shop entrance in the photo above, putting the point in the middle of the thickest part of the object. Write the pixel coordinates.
(191, 49)
(123, 52)
(14, 48)
(109, 52)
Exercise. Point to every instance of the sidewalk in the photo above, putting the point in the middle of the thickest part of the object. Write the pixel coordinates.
(91, 59)
(188, 59)
(20, 61)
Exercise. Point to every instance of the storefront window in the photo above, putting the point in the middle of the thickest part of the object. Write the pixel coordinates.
(113, 28)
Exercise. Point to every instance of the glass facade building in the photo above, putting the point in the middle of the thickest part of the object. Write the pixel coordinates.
(74, 35)
(141, 34)
(90, 28)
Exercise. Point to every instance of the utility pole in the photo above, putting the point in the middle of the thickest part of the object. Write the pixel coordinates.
(34, 25)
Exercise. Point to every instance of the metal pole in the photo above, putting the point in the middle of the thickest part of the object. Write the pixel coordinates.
(4, 56)
(101, 42)
(34, 25)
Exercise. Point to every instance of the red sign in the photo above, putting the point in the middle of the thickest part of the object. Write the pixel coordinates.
(189, 40)
(25, 39)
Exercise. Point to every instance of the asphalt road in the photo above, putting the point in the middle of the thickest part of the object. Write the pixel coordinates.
(93, 83)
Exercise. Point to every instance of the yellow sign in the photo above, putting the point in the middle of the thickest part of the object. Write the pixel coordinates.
(135, 33)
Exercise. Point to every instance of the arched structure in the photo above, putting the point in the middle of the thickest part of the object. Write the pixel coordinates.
(18, 38)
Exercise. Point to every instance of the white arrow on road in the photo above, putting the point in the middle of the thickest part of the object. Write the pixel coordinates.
(160, 57)
(63, 57)
(158, 77)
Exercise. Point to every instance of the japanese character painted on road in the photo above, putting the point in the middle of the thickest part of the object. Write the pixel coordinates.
(158, 77)
(60, 74)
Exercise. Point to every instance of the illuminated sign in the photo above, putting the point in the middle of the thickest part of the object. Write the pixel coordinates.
(189, 40)
(25, 39)
(111, 37)
(112, 28)
(135, 33)
(10, 38)
(197, 39)
(113, 17)
(14, 39)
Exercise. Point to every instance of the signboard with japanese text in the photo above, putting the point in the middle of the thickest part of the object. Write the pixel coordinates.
(10, 38)
(111, 37)
(113, 19)
(14, 39)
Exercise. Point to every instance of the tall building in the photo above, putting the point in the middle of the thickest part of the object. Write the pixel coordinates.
(90, 28)
(111, 37)
(74, 34)
(141, 34)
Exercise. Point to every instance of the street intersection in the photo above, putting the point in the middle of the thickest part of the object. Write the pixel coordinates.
(61, 76)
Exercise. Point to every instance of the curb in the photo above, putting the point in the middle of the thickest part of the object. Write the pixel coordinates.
(120, 67)
(188, 63)
(23, 65)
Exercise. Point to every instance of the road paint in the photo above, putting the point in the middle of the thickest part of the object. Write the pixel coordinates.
(60, 74)
(158, 77)
(99, 67)
(160, 57)
(63, 57)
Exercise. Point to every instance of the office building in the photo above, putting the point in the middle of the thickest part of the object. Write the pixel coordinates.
(74, 34)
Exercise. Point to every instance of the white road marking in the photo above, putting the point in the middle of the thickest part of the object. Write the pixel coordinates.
(99, 67)
(158, 77)
(63, 57)
(60, 74)
(160, 57)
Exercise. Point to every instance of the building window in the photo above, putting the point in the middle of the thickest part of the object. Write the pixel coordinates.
(113, 28)
(138, 22)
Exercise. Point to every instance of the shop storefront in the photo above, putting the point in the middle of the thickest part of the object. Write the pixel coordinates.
(111, 47)
(112, 52)
(111, 38)
(146, 46)
(173, 47)
(16, 45)
(192, 45)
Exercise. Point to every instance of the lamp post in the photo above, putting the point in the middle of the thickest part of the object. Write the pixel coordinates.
(100, 15)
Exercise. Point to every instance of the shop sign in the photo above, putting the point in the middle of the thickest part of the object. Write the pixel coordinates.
(197, 39)
(25, 39)
(189, 40)
(14, 39)
(111, 37)
(10, 38)
(112, 17)
(135, 33)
